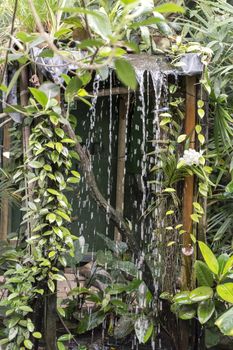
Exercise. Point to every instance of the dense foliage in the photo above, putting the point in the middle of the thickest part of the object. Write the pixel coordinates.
(102, 32)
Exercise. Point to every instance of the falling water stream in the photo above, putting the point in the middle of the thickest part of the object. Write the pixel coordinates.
(151, 100)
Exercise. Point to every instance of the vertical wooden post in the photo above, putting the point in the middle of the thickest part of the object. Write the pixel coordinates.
(120, 184)
(190, 122)
(5, 210)
(186, 272)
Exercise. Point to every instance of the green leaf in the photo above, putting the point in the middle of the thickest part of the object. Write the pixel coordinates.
(147, 22)
(39, 96)
(141, 326)
(205, 310)
(99, 22)
(228, 266)
(14, 80)
(201, 293)
(35, 164)
(25, 308)
(209, 257)
(51, 285)
(201, 139)
(212, 337)
(63, 215)
(65, 337)
(186, 312)
(60, 132)
(13, 333)
(127, 2)
(58, 146)
(37, 335)
(203, 274)
(225, 291)
(51, 218)
(61, 346)
(54, 192)
(28, 344)
(126, 73)
(225, 323)
(169, 7)
(149, 333)
(52, 254)
(181, 138)
(72, 88)
(4, 341)
(73, 180)
(182, 298)
(91, 321)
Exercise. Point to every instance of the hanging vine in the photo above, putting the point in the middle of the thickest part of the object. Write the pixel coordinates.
(49, 211)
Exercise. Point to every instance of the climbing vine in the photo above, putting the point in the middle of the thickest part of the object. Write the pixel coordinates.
(49, 171)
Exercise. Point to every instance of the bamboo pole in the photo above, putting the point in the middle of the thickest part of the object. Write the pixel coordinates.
(121, 148)
(5, 210)
(186, 271)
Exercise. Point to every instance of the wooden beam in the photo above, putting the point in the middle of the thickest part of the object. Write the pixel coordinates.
(190, 122)
(121, 152)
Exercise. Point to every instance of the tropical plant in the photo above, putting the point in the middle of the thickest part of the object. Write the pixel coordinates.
(212, 301)
(99, 33)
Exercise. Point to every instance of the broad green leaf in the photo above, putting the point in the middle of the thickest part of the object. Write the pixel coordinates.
(126, 73)
(35, 164)
(28, 344)
(225, 323)
(201, 293)
(52, 254)
(61, 346)
(13, 333)
(147, 22)
(228, 266)
(141, 326)
(182, 298)
(205, 310)
(127, 2)
(73, 180)
(65, 337)
(209, 257)
(25, 308)
(63, 215)
(90, 321)
(37, 335)
(100, 23)
(212, 337)
(169, 7)
(4, 341)
(60, 132)
(54, 192)
(14, 80)
(181, 138)
(225, 291)
(39, 96)
(203, 274)
(51, 285)
(58, 146)
(51, 217)
(149, 333)
(186, 312)
(72, 88)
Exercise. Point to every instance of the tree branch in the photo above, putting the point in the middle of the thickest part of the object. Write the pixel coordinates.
(114, 215)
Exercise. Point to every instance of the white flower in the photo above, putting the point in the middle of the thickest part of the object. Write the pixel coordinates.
(191, 157)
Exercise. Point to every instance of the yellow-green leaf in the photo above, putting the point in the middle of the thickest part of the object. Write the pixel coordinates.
(209, 257)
